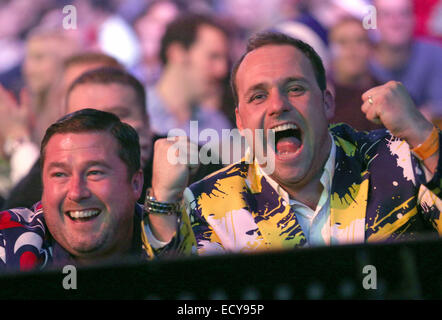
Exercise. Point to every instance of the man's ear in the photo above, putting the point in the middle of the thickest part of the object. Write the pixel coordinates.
(329, 104)
(137, 183)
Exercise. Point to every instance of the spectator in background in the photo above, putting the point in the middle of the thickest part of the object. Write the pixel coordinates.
(314, 19)
(350, 51)
(194, 53)
(23, 122)
(150, 29)
(78, 64)
(45, 53)
(398, 56)
(17, 19)
(113, 90)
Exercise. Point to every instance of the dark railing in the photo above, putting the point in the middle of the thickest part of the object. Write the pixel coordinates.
(407, 270)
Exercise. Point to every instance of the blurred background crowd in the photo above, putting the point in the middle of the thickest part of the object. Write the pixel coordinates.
(40, 42)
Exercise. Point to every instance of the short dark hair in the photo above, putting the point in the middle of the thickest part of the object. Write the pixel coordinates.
(91, 57)
(277, 38)
(91, 120)
(109, 75)
(184, 30)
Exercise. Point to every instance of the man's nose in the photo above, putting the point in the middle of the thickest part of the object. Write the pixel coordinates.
(278, 103)
(78, 189)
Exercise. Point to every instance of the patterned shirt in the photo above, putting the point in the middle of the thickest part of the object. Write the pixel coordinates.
(379, 192)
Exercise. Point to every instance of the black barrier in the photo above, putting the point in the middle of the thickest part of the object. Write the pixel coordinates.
(408, 270)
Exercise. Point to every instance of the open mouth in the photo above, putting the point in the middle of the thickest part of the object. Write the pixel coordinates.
(83, 215)
(288, 139)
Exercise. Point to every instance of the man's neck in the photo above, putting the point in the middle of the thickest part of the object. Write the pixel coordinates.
(174, 94)
(309, 194)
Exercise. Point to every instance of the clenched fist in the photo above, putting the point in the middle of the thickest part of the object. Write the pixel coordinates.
(391, 105)
(174, 160)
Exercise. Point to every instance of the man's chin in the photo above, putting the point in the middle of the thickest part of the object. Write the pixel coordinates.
(85, 249)
(290, 172)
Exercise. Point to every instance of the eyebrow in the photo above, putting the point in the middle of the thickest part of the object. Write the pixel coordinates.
(93, 163)
(62, 165)
(295, 79)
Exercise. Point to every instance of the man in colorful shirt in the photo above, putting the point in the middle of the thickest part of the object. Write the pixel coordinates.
(329, 185)
(88, 213)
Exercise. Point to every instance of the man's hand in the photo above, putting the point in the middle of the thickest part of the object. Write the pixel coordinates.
(171, 171)
(391, 105)
(171, 167)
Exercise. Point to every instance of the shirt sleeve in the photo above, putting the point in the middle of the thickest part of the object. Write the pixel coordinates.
(430, 194)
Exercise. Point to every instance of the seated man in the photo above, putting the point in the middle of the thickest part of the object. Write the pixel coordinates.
(88, 213)
(329, 185)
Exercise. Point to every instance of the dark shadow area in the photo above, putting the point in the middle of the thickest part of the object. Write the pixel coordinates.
(405, 270)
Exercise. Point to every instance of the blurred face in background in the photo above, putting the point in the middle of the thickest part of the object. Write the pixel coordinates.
(395, 21)
(150, 28)
(118, 99)
(350, 49)
(43, 60)
(41, 63)
(206, 61)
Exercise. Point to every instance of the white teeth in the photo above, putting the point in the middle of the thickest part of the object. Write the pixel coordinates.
(83, 213)
(285, 127)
